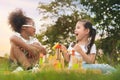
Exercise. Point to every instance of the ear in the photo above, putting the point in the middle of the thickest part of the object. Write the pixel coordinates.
(87, 31)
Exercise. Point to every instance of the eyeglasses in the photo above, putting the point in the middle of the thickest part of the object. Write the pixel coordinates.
(27, 25)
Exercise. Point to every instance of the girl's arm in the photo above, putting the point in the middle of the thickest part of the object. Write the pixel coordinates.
(90, 58)
(40, 47)
(19, 42)
(65, 53)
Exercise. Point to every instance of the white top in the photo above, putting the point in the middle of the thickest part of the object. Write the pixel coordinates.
(77, 55)
(30, 41)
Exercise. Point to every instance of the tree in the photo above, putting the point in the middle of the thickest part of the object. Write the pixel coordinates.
(106, 14)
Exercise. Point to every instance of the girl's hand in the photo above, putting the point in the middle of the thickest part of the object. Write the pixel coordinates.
(77, 48)
(65, 53)
(63, 49)
(34, 50)
(88, 58)
(39, 48)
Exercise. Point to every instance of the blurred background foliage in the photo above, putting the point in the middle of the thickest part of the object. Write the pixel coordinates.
(63, 15)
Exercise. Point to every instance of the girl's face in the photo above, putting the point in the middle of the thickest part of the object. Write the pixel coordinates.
(80, 31)
(30, 29)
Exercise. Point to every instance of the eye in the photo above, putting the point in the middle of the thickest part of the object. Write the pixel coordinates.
(78, 27)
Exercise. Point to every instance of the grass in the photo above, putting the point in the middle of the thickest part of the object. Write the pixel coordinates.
(49, 73)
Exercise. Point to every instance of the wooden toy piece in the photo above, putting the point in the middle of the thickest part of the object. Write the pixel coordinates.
(56, 46)
(80, 63)
(59, 56)
(76, 63)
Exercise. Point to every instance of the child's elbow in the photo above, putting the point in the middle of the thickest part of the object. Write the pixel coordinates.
(12, 39)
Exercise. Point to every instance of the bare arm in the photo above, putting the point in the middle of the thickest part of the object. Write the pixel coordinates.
(65, 53)
(40, 47)
(19, 42)
(88, 58)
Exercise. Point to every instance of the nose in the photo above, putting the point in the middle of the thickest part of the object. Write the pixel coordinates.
(34, 29)
(75, 31)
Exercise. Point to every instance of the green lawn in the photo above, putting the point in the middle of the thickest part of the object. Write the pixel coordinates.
(51, 74)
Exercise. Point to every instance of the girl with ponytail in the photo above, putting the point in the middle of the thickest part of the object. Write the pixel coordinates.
(25, 48)
(84, 47)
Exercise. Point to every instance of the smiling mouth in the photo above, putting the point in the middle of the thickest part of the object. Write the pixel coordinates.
(76, 34)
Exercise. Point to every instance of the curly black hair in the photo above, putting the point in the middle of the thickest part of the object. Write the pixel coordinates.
(16, 19)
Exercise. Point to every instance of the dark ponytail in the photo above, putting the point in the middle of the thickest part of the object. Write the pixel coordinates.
(92, 34)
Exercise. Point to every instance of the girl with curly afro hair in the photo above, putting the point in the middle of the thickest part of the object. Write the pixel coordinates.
(25, 48)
